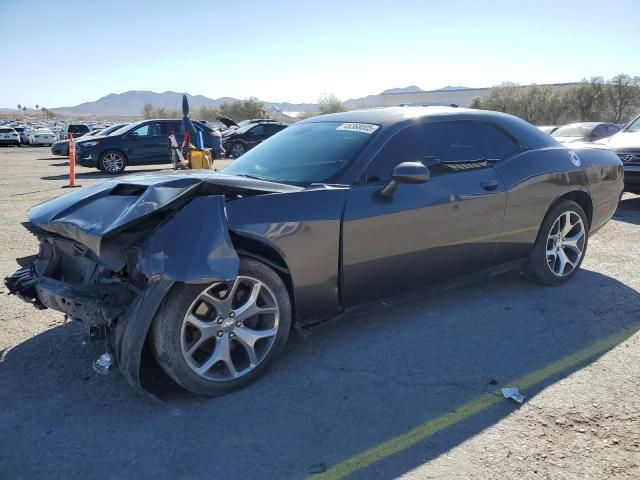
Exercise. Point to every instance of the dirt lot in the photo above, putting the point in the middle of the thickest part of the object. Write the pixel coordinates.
(411, 391)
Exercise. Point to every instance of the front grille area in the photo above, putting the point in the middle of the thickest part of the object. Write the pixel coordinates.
(627, 157)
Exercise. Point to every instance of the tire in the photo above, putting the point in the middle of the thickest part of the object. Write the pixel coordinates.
(237, 150)
(173, 337)
(112, 162)
(556, 245)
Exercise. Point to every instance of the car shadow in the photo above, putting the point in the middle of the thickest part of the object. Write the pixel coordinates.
(100, 175)
(628, 209)
(350, 386)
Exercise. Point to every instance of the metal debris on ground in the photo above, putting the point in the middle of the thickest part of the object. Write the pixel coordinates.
(513, 393)
(103, 363)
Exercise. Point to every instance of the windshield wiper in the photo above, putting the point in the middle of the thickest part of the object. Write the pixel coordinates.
(246, 175)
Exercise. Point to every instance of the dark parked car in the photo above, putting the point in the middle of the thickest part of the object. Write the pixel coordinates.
(237, 141)
(140, 143)
(335, 213)
(77, 129)
(61, 147)
(584, 132)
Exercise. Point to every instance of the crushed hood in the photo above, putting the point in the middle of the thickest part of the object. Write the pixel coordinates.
(92, 214)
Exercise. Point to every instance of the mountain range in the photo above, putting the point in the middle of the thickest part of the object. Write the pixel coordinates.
(131, 103)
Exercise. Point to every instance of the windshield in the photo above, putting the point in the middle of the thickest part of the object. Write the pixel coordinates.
(304, 153)
(125, 129)
(633, 126)
(573, 131)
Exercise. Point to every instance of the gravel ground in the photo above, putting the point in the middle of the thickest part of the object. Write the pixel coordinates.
(352, 386)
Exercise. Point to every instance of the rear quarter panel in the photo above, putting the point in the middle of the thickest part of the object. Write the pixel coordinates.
(606, 181)
(534, 179)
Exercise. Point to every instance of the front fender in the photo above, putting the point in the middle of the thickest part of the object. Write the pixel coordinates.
(193, 246)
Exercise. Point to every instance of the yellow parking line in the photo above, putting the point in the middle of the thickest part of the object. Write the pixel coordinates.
(482, 402)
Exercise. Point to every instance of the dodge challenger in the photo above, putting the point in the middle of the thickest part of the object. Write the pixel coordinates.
(210, 271)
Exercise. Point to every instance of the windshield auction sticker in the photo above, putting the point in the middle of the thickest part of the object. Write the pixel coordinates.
(367, 128)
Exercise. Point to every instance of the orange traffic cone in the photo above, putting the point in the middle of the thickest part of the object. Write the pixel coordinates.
(72, 163)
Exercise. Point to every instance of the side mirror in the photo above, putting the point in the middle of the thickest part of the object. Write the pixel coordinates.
(406, 172)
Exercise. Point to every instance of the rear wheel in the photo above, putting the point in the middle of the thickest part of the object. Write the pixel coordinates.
(112, 162)
(561, 244)
(222, 337)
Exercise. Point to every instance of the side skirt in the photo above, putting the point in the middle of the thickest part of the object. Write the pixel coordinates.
(415, 295)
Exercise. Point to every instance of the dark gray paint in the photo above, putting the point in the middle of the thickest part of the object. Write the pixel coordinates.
(338, 246)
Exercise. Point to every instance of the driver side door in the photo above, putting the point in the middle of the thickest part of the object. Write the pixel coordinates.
(429, 232)
(146, 144)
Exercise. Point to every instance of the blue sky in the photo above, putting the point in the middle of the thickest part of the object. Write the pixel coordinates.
(62, 53)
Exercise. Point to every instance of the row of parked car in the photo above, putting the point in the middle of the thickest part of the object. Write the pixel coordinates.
(624, 140)
(113, 148)
(42, 132)
(582, 132)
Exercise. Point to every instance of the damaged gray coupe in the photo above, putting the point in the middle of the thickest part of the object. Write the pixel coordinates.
(210, 271)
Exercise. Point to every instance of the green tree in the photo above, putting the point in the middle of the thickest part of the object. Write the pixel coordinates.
(329, 103)
(534, 102)
(623, 96)
(586, 100)
(148, 111)
(244, 109)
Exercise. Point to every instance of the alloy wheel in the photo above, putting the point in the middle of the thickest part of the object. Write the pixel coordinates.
(229, 329)
(113, 163)
(237, 150)
(565, 243)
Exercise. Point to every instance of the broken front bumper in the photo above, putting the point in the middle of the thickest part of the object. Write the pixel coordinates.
(117, 310)
(95, 305)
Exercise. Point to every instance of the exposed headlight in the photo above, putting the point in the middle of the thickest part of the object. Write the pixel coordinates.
(92, 143)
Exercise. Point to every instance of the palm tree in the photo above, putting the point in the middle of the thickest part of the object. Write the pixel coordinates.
(44, 111)
(37, 108)
(24, 110)
(19, 108)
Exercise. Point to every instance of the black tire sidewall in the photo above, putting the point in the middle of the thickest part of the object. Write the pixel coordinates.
(538, 268)
(166, 330)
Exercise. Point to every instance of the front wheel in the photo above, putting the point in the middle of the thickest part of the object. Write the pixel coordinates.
(222, 337)
(112, 162)
(561, 244)
(237, 150)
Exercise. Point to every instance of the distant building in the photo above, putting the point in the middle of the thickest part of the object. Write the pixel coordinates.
(461, 97)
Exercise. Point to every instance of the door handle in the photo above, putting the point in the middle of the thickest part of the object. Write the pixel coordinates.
(489, 185)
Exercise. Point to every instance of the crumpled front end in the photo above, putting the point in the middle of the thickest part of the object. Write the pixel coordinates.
(111, 270)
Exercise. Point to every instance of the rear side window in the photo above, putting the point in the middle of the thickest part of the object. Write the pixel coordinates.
(78, 129)
(446, 148)
(273, 129)
(257, 130)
